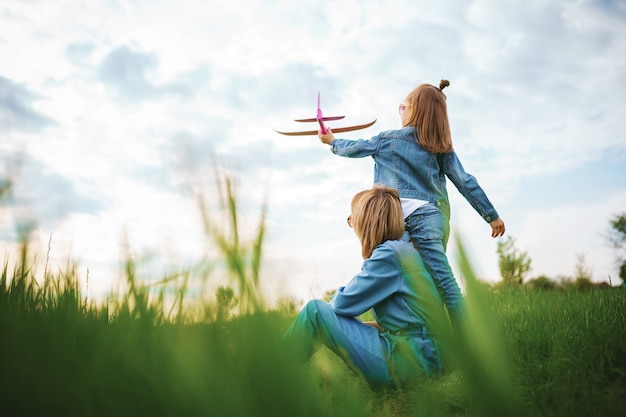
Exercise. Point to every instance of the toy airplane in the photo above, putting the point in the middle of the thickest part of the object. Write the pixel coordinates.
(321, 119)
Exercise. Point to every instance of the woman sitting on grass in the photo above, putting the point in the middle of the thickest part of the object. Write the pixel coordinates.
(398, 347)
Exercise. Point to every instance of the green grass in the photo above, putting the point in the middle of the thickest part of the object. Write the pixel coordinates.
(564, 353)
(569, 348)
(524, 352)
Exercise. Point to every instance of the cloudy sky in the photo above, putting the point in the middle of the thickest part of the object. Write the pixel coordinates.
(115, 114)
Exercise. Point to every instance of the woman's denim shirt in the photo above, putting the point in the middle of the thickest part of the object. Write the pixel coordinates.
(395, 284)
(401, 163)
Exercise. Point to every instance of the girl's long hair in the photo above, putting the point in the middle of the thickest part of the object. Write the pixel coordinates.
(429, 117)
(376, 217)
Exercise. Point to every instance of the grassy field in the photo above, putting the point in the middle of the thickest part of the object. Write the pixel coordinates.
(544, 353)
(156, 351)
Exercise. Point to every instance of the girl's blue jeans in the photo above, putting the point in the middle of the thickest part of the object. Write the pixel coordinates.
(382, 359)
(429, 230)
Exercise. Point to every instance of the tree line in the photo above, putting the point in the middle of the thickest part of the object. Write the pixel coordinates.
(515, 264)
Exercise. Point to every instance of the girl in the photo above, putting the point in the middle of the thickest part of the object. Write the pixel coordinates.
(416, 160)
(394, 283)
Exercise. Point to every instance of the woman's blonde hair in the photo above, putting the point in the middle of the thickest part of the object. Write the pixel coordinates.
(428, 114)
(376, 217)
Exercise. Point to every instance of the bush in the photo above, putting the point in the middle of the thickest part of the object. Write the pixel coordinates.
(541, 283)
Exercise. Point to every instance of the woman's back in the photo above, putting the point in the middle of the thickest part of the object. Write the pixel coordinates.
(396, 285)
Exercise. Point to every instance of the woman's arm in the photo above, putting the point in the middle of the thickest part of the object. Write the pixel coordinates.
(380, 277)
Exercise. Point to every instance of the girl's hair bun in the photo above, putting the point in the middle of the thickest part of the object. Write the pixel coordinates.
(443, 84)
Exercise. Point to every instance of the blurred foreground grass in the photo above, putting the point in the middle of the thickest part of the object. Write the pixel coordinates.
(543, 353)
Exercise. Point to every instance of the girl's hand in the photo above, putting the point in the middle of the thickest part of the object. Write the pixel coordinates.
(497, 227)
(327, 137)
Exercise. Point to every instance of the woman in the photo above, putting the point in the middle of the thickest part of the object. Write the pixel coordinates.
(399, 347)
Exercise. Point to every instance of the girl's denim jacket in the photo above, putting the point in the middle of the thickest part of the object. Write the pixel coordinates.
(401, 163)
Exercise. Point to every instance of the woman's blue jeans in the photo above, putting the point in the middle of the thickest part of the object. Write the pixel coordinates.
(382, 359)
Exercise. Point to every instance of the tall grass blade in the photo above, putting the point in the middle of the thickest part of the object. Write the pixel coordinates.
(480, 353)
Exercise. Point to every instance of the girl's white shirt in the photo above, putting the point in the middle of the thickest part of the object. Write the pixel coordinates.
(409, 205)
